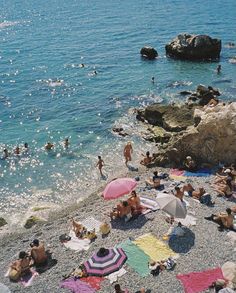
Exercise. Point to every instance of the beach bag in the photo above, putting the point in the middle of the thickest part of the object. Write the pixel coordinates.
(206, 199)
(170, 263)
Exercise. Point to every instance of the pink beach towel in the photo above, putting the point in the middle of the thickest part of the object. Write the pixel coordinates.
(94, 282)
(199, 281)
(27, 280)
(176, 172)
(77, 286)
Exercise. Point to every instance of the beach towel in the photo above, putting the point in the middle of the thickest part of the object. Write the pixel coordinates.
(188, 221)
(137, 259)
(149, 203)
(77, 286)
(27, 279)
(94, 282)
(76, 243)
(176, 172)
(199, 281)
(199, 173)
(154, 248)
(91, 223)
(114, 276)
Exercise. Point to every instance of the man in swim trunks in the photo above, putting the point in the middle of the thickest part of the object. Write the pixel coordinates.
(225, 220)
(127, 152)
(38, 252)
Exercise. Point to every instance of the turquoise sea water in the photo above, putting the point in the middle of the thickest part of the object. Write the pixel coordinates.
(41, 41)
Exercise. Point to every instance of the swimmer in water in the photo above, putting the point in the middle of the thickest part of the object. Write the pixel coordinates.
(153, 79)
(100, 165)
(66, 143)
(49, 146)
(218, 69)
(17, 151)
(6, 154)
(26, 147)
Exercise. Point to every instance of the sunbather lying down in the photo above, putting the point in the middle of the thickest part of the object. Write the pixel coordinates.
(225, 220)
(199, 194)
(157, 267)
(81, 232)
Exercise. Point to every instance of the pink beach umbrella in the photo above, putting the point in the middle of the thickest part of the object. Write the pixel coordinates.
(119, 187)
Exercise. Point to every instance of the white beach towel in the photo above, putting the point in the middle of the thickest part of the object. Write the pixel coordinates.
(188, 221)
(91, 223)
(76, 243)
(149, 203)
(114, 276)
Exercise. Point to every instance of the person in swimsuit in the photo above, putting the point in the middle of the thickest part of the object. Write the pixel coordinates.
(100, 165)
(20, 267)
(127, 152)
(38, 253)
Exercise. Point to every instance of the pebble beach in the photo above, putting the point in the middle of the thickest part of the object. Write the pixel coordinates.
(204, 247)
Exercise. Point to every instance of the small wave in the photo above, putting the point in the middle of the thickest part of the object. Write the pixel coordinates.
(7, 24)
(232, 60)
(180, 83)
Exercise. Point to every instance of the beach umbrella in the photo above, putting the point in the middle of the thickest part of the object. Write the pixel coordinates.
(103, 264)
(119, 187)
(171, 205)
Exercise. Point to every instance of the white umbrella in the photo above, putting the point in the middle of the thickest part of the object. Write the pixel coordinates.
(171, 205)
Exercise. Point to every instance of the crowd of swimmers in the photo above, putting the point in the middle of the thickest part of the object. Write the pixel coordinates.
(25, 149)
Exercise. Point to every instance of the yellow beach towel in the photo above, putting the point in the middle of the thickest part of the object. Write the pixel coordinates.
(154, 248)
(178, 178)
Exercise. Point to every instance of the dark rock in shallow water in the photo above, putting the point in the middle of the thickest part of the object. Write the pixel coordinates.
(169, 117)
(185, 93)
(149, 53)
(203, 95)
(31, 221)
(194, 47)
(3, 222)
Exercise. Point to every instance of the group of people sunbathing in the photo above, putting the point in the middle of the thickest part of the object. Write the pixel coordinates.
(128, 208)
(225, 181)
(37, 257)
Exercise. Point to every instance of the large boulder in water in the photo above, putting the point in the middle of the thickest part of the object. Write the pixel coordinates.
(170, 117)
(149, 53)
(194, 47)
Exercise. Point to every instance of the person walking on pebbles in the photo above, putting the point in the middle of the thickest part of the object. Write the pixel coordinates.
(128, 149)
(100, 165)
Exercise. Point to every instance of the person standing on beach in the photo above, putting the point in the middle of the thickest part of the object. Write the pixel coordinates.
(100, 165)
(128, 149)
